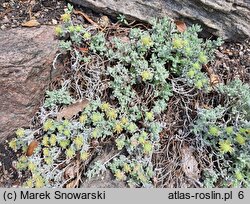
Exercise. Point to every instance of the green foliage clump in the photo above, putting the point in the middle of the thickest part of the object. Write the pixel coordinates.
(57, 97)
(238, 98)
(139, 76)
(226, 131)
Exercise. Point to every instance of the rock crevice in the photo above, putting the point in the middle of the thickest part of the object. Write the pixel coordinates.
(227, 19)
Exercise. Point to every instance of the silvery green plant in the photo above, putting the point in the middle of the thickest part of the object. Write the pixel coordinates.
(138, 74)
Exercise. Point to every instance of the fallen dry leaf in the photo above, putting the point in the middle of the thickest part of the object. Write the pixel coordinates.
(31, 23)
(104, 21)
(214, 79)
(72, 184)
(189, 163)
(83, 49)
(181, 26)
(73, 109)
(31, 148)
(70, 172)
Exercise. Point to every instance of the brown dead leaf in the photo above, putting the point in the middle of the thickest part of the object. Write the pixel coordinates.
(73, 109)
(214, 79)
(31, 148)
(189, 163)
(104, 21)
(181, 26)
(31, 23)
(70, 172)
(84, 49)
(72, 184)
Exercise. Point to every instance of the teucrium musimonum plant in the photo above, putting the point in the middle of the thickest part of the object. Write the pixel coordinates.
(137, 73)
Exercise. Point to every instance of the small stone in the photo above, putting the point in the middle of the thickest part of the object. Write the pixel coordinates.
(3, 27)
(80, 18)
(219, 54)
(37, 14)
(54, 21)
(5, 20)
(104, 21)
(5, 5)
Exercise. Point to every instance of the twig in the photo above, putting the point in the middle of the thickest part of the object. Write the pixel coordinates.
(87, 18)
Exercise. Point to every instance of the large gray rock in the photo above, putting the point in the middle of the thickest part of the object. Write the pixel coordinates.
(229, 19)
(26, 56)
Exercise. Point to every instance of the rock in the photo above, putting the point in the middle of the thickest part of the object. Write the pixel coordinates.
(26, 57)
(54, 21)
(228, 19)
(5, 20)
(3, 27)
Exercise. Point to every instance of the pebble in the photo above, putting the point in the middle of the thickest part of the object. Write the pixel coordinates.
(5, 5)
(221, 48)
(104, 21)
(80, 18)
(5, 20)
(3, 27)
(219, 54)
(37, 14)
(54, 21)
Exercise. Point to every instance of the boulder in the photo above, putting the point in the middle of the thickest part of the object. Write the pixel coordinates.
(26, 57)
(228, 19)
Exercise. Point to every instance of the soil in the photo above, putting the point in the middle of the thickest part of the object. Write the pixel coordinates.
(47, 12)
(15, 12)
(232, 59)
(8, 175)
